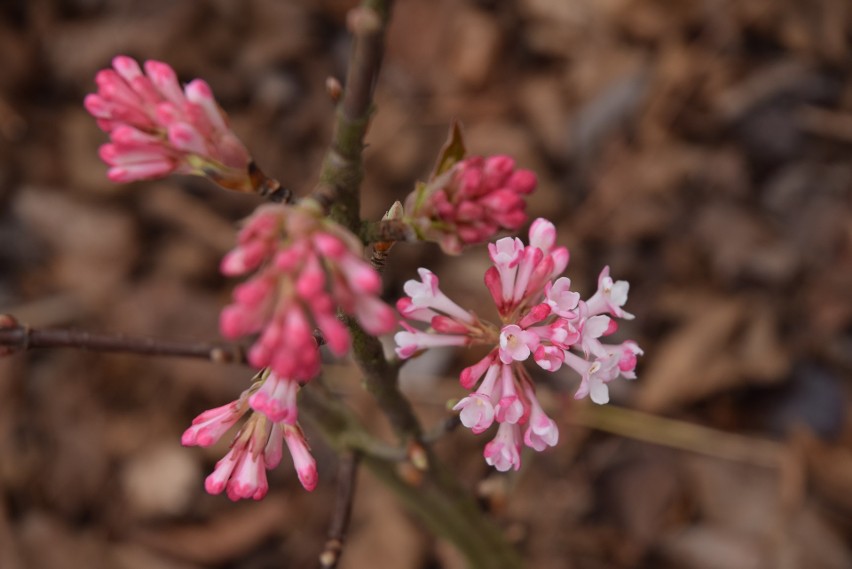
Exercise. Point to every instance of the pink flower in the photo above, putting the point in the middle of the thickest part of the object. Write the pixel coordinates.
(412, 341)
(156, 128)
(476, 412)
(242, 471)
(471, 202)
(258, 445)
(541, 430)
(306, 467)
(208, 428)
(610, 297)
(304, 268)
(540, 317)
(516, 344)
(276, 399)
(504, 452)
(594, 375)
(561, 298)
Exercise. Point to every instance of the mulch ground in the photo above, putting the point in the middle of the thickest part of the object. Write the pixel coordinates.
(702, 149)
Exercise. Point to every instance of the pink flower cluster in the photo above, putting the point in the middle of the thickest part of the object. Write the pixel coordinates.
(157, 128)
(542, 319)
(471, 202)
(258, 446)
(304, 267)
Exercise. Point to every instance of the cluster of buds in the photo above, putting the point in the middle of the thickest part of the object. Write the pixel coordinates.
(542, 319)
(470, 202)
(258, 446)
(304, 268)
(156, 128)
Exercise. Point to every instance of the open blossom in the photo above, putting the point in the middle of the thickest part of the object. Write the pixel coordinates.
(158, 128)
(256, 448)
(542, 320)
(303, 268)
(471, 202)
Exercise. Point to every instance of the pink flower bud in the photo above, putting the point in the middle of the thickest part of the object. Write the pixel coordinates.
(470, 203)
(306, 467)
(149, 111)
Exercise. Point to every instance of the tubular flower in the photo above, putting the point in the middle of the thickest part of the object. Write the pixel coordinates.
(158, 128)
(542, 320)
(471, 202)
(257, 446)
(304, 267)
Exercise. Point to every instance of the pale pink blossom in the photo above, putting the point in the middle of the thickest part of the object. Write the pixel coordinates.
(427, 294)
(542, 431)
(510, 408)
(610, 297)
(626, 354)
(542, 235)
(506, 253)
(157, 128)
(504, 452)
(594, 375)
(561, 298)
(516, 344)
(549, 358)
(476, 412)
(540, 317)
(412, 341)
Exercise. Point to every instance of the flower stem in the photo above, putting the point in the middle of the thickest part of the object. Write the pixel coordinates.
(438, 499)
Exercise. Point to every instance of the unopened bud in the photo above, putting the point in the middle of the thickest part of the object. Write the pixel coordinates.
(396, 211)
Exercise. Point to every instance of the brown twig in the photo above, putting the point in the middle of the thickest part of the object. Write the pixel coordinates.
(347, 475)
(14, 337)
(339, 189)
(342, 168)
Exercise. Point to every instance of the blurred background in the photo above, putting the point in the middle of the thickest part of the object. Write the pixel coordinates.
(701, 148)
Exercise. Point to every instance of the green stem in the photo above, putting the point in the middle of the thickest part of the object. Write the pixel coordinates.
(440, 501)
(442, 504)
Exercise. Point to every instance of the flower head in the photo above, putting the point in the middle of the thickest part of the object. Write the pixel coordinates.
(257, 446)
(158, 128)
(303, 268)
(470, 202)
(541, 319)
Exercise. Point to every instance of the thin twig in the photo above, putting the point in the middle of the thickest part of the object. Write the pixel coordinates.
(342, 168)
(339, 188)
(15, 337)
(347, 475)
